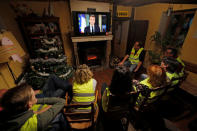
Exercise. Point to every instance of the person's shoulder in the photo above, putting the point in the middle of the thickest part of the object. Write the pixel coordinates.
(143, 51)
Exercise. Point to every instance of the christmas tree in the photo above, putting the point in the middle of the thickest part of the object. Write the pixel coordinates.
(48, 58)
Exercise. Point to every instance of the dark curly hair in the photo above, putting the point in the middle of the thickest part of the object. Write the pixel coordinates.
(172, 64)
(121, 82)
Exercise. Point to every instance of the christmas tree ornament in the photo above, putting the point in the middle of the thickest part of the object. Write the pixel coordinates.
(48, 59)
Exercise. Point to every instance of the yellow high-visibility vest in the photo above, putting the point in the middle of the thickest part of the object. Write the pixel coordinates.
(83, 93)
(134, 58)
(152, 94)
(183, 66)
(171, 76)
(32, 122)
(105, 99)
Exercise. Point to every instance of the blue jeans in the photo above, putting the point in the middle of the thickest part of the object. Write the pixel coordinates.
(59, 123)
(131, 66)
(56, 87)
(143, 77)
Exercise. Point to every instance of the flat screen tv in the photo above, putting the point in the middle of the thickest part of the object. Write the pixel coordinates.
(94, 23)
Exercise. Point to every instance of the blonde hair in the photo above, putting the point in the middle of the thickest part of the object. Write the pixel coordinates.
(157, 75)
(83, 74)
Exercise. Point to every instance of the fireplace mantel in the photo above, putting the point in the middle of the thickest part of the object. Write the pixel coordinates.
(77, 40)
(91, 38)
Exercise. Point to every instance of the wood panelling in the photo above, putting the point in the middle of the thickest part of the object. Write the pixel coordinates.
(77, 5)
(146, 2)
(190, 66)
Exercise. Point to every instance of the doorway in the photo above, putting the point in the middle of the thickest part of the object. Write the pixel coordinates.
(138, 31)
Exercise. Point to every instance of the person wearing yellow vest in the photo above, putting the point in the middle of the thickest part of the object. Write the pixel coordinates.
(21, 112)
(171, 52)
(121, 85)
(84, 86)
(170, 65)
(156, 78)
(135, 58)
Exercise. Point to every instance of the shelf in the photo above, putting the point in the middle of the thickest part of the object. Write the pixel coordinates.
(52, 33)
(91, 38)
(26, 25)
(38, 19)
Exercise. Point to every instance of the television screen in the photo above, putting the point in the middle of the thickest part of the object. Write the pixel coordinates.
(91, 23)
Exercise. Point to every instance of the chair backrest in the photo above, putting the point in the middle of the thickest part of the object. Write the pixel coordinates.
(180, 79)
(146, 93)
(81, 119)
(119, 102)
(119, 105)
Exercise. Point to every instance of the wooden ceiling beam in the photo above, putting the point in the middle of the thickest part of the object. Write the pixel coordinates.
(106, 1)
(145, 2)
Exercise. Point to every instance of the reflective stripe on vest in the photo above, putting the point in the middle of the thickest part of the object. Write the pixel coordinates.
(83, 93)
(183, 66)
(172, 75)
(180, 61)
(134, 59)
(152, 94)
(30, 124)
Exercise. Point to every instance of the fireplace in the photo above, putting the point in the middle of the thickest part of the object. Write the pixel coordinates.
(92, 50)
(92, 53)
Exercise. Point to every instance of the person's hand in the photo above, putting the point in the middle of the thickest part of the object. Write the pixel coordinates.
(43, 110)
(120, 64)
(135, 70)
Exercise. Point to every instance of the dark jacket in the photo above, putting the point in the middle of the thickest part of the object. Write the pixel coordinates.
(10, 122)
(96, 29)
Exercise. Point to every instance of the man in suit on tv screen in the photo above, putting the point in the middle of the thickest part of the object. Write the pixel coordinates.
(92, 28)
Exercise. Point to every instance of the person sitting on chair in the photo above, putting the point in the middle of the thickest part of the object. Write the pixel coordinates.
(84, 86)
(171, 52)
(22, 111)
(121, 84)
(156, 77)
(92, 28)
(135, 58)
(171, 66)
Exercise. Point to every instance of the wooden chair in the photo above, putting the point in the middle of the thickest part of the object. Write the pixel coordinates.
(119, 108)
(180, 79)
(146, 93)
(118, 104)
(145, 109)
(81, 120)
(177, 97)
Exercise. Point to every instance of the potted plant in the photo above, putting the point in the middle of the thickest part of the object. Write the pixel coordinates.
(161, 43)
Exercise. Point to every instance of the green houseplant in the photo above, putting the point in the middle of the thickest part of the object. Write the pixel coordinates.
(161, 43)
